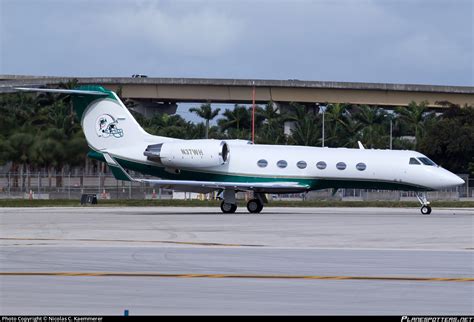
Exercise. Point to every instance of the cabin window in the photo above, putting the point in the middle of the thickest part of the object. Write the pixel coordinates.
(414, 161)
(321, 165)
(282, 164)
(340, 166)
(262, 163)
(301, 164)
(427, 161)
(361, 166)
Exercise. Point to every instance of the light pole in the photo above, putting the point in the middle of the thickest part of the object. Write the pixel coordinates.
(253, 112)
(324, 112)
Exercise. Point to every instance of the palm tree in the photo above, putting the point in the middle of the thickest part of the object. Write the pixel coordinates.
(350, 132)
(20, 151)
(336, 116)
(306, 126)
(371, 121)
(271, 130)
(415, 116)
(239, 118)
(55, 127)
(47, 151)
(5, 151)
(206, 112)
(166, 125)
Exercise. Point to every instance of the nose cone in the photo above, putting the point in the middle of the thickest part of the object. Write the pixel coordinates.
(443, 178)
(457, 181)
(452, 180)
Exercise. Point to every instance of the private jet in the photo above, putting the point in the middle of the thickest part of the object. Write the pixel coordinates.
(231, 166)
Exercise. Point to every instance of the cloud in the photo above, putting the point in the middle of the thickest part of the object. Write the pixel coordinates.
(202, 32)
(403, 41)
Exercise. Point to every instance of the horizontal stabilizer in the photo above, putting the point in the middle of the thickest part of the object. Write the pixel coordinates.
(62, 91)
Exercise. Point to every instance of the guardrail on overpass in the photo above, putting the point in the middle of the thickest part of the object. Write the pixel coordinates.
(240, 90)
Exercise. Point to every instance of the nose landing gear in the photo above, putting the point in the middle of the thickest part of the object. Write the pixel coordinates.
(425, 210)
(425, 204)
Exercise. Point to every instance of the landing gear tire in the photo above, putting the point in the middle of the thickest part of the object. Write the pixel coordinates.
(254, 206)
(425, 204)
(228, 208)
(425, 210)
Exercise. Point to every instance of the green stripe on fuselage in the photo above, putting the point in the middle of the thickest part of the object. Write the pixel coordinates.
(314, 184)
(96, 155)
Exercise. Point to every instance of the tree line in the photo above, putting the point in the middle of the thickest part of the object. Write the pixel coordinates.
(40, 132)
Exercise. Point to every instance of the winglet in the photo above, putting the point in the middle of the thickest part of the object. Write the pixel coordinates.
(360, 145)
(117, 170)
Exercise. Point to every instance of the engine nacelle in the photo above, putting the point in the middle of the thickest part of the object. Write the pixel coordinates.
(189, 153)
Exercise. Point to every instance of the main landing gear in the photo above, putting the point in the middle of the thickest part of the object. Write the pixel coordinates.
(254, 206)
(228, 208)
(425, 204)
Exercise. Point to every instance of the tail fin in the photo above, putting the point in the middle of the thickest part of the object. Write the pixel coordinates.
(106, 122)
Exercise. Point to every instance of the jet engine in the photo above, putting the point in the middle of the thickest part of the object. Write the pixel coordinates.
(189, 153)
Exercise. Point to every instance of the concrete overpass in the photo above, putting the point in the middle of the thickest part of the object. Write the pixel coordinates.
(175, 90)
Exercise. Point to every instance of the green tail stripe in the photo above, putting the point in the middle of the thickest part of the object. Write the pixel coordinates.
(81, 102)
(118, 173)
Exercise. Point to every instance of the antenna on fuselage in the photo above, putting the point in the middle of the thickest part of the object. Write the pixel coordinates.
(360, 145)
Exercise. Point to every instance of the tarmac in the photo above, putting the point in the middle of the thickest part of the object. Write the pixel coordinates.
(191, 261)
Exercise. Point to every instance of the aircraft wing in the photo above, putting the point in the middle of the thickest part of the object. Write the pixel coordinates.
(200, 186)
(208, 186)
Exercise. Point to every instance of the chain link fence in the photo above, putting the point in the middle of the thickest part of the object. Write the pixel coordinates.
(39, 185)
(42, 185)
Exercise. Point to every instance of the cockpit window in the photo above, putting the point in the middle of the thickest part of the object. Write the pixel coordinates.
(414, 161)
(427, 161)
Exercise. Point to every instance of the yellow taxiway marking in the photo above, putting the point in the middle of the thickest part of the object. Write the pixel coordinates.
(312, 277)
(130, 241)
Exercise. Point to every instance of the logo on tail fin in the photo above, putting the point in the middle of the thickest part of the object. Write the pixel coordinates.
(107, 125)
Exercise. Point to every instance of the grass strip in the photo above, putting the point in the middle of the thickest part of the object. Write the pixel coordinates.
(216, 203)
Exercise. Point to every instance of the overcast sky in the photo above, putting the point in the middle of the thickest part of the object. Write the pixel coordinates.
(390, 41)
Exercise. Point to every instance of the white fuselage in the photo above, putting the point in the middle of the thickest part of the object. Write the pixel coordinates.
(251, 161)
(389, 169)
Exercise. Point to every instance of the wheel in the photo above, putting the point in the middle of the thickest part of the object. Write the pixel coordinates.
(228, 208)
(254, 206)
(425, 210)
